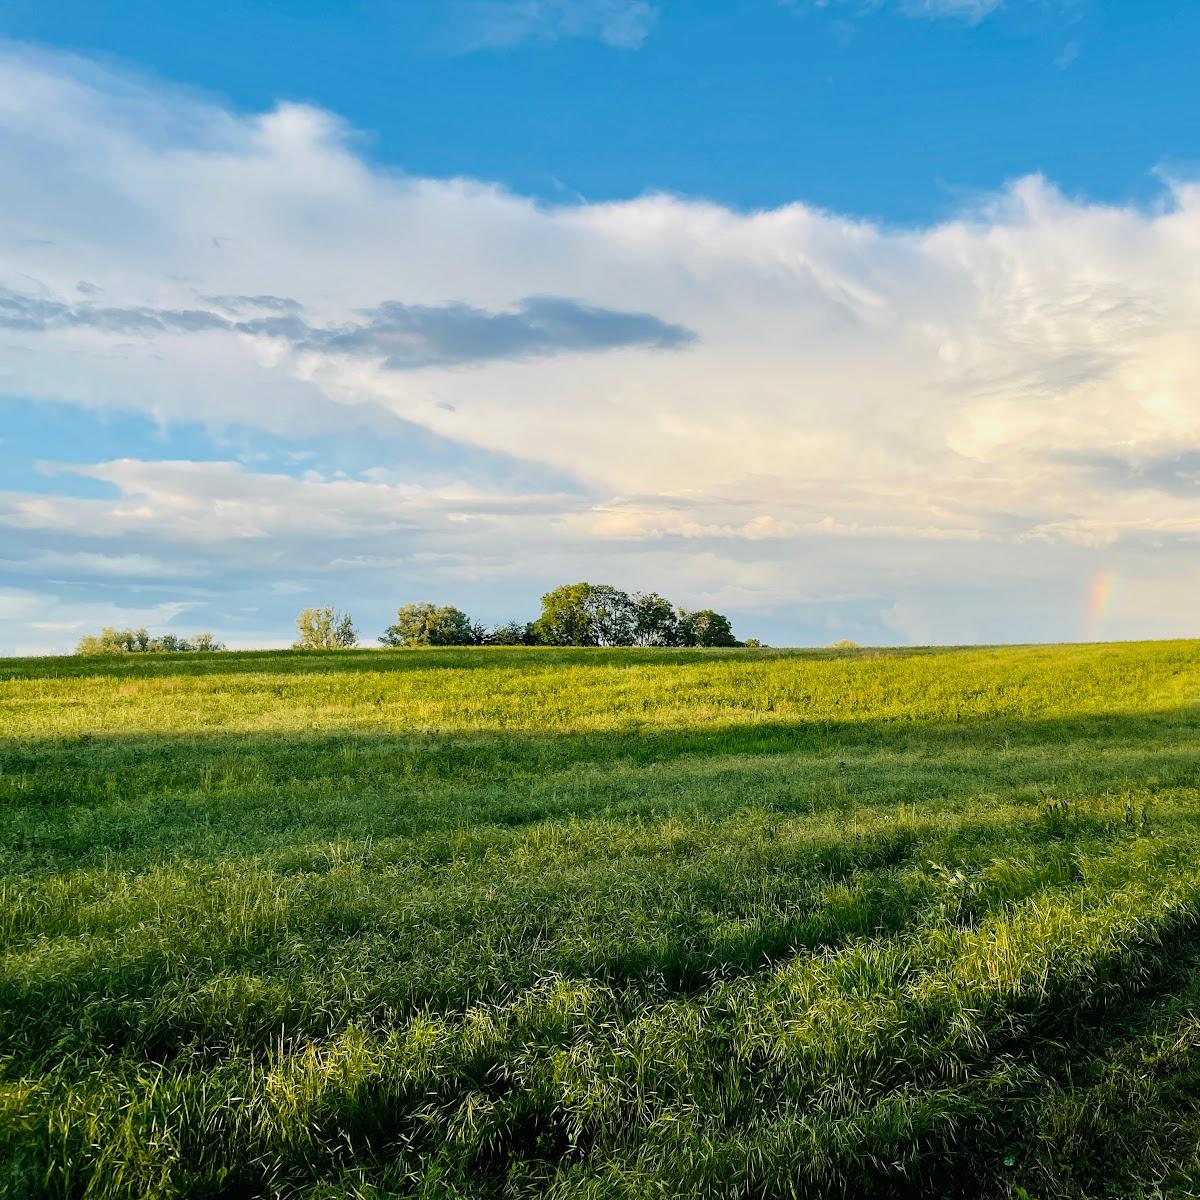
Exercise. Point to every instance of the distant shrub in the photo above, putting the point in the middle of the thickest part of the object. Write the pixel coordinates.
(844, 644)
(512, 633)
(325, 629)
(138, 641)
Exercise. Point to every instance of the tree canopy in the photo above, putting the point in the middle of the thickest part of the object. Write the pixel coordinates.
(575, 614)
(596, 614)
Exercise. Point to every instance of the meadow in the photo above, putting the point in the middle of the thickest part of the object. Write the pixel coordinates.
(588, 923)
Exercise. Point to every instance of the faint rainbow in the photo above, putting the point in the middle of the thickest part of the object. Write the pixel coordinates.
(1099, 598)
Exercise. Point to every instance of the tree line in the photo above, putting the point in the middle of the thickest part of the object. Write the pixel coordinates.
(576, 614)
(138, 641)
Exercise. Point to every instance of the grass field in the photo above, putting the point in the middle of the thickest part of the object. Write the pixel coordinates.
(602, 924)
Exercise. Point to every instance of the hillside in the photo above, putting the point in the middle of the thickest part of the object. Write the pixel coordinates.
(602, 923)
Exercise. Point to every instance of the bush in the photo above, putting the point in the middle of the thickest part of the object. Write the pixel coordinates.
(512, 633)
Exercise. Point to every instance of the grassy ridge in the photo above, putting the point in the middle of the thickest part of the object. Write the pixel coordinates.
(602, 923)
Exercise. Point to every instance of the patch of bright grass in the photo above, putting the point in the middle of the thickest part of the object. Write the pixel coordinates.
(516, 923)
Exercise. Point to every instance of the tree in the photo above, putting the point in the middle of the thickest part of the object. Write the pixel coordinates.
(654, 621)
(705, 628)
(325, 629)
(586, 614)
(565, 620)
(108, 641)
(345, 634)
(612, 616)
(429, 625)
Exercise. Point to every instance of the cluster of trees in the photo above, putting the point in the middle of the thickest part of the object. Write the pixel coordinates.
(138, 641)
(577, 614)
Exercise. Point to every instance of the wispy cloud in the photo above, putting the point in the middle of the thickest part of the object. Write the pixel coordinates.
(962, 10)
(622, 24)
(401, 336)
(970, 11)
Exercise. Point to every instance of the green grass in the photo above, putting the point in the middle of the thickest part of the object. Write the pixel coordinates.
(511, 923)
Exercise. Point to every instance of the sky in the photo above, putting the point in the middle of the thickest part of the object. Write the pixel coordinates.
(868, 319)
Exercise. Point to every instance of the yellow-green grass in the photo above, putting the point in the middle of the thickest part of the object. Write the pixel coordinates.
(602, 923)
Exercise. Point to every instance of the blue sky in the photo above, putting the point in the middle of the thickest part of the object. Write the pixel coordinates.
(862, 318)
(869, 107)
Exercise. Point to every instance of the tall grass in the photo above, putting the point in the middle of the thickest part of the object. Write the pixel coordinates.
(589, 924)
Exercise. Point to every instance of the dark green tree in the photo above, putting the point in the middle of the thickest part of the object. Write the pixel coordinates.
(427, 624)
(654, 621)
(705, 628)
(565, 619)
(586, 614)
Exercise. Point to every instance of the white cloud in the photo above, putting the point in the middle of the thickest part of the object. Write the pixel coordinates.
(860, 410)
(44, 623)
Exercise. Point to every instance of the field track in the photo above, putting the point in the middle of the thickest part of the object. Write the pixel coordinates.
(508, 923)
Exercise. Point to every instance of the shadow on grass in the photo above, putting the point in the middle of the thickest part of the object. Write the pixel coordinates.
(82, 797)
(248, 662)
(136, 799)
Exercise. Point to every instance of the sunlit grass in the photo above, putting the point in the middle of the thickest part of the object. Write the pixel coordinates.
(627, 923)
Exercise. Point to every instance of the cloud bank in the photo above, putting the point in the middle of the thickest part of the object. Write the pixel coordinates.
(824, 425)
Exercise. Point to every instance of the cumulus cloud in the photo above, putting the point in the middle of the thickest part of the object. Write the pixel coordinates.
(770, 409)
